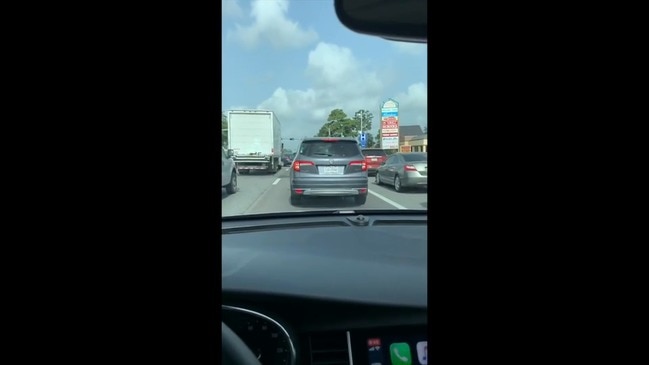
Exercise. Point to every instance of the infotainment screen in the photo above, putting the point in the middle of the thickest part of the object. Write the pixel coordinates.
(390, 346)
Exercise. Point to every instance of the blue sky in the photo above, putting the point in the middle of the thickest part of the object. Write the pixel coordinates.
(297, 59)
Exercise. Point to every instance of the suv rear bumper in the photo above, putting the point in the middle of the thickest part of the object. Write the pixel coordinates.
(332, 192)
(328, 186)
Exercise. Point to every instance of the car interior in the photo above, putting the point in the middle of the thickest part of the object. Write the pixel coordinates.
(331, 287)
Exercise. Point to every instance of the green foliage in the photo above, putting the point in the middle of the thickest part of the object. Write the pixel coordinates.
(377, 144)
(367, 120)
(339, 124)
(370, 140)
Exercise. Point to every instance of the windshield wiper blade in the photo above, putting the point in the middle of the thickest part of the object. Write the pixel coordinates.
(312, 213)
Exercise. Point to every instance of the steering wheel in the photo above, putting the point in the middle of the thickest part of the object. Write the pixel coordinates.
(234, 351)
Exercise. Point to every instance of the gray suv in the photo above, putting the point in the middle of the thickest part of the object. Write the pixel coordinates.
(326, 166)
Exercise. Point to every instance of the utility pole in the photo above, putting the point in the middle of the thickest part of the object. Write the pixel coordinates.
(330, 123)
(361, 114)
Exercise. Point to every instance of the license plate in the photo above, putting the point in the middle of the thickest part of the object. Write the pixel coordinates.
(374, 159)
(331, 170)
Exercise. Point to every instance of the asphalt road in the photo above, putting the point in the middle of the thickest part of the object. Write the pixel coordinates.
(265, 193)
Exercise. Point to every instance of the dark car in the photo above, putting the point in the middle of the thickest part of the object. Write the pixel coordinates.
(404, 170)
(374, 157)
(287, 160)
(329, 167)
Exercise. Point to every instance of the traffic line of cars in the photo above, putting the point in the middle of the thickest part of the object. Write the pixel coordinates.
(337, 167)
(329, 167)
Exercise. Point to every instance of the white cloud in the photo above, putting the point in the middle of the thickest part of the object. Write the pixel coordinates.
(339, 81)
(231, 9)
(271, 24)
(416, 96)
(413, 49)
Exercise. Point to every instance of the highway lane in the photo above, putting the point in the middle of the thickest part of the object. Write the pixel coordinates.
(250, 188)
(270, 193)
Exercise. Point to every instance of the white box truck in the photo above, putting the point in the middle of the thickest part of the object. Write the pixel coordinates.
(255, 138)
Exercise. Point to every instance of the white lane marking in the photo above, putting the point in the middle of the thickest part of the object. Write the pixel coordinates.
(276, 181)
(253, 206)
(396, 205)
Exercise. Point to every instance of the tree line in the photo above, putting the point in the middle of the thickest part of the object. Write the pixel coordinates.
(339, 124)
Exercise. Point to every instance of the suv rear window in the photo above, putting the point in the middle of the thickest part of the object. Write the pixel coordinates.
(374, 152)
(329, 149)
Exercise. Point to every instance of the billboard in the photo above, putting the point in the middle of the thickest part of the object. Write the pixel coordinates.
(390, 125)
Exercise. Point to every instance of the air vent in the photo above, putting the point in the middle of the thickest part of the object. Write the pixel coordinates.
(329, 348)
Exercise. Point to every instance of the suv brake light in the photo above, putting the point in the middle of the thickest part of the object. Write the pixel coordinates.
(410, 168)
(296, 164)
(362, 164)
(330, 139)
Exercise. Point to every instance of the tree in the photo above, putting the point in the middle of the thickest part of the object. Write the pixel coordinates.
(370, 140)
(378, 139)
(367, 120)
(224, 129)
(338, 124)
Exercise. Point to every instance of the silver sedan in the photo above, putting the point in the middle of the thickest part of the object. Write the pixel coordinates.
(404, 170)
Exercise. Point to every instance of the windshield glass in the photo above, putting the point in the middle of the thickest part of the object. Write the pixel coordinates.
(412, 157)
(324, 148)
(375, 152)
(312, 111)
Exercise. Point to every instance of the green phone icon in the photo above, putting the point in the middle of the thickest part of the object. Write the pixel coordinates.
(400, 354)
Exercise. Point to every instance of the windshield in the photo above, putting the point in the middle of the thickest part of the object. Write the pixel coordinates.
(331, 149)
(412, 157)
(375, 152)
(312, 113)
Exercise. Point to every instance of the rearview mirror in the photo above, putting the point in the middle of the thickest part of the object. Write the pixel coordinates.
(398, 20)
(230, 153)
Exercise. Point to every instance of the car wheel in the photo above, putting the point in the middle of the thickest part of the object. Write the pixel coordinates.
(231, 188)
(360, 199)
(377, 179)
(397, 184)
(295, 199)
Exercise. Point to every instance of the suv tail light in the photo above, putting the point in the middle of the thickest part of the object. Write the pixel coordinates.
(410, 168)
(362, 164)
(297, 164)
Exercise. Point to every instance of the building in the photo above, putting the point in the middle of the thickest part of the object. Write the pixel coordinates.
(412, 139)
(419, 143)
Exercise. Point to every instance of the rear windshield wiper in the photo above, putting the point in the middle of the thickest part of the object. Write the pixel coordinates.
(323, 154)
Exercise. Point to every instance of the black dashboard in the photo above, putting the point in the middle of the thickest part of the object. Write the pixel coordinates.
(328, 288)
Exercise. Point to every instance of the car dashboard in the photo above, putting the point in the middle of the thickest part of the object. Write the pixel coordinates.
(328, 288)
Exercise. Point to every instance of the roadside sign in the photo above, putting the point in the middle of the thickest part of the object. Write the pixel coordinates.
(390, 124)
